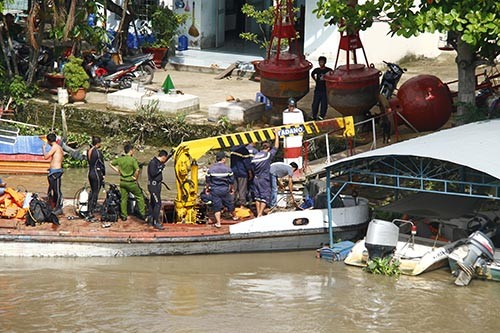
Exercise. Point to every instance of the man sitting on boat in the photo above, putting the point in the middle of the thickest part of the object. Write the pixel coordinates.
(220, 185)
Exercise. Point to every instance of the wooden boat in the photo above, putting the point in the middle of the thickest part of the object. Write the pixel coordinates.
(280, 231)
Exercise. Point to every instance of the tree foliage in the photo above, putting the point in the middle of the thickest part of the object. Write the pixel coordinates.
(473, 28)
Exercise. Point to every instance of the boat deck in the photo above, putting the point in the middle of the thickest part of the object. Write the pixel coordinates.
(71, 226)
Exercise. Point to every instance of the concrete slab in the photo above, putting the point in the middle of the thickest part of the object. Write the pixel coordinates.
(131, 99)
(238, 112)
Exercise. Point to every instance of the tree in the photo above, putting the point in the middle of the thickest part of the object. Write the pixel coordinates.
(473, 28)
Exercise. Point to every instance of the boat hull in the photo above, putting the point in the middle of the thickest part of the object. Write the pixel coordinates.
(138, 245)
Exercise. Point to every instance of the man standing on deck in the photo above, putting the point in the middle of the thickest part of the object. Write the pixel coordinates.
(155, 179)
(97, 172)
(220, 184)
(262, 174)
(241, 165)
(128, 168)
(56, 155)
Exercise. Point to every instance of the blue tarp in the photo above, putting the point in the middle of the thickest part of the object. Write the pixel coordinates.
(24, 145)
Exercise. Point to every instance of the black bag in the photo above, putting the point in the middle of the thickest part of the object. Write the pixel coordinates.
(111, 208)
(39, 211)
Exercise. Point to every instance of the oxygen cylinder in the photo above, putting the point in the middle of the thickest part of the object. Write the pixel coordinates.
(83, 202)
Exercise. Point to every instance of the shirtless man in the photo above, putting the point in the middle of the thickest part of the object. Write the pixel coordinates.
(56, 155)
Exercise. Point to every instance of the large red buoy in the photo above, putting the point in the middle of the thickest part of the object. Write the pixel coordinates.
(285, 72)
(352, 88)
(425, 102)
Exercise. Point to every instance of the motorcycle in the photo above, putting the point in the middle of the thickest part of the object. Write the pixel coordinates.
(22, 52)
(103, 71)
(390, 79)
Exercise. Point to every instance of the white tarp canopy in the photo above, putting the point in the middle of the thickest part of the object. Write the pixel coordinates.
(475, 145)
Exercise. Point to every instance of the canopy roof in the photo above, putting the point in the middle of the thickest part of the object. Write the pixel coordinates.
(463, 161)
(475, 145)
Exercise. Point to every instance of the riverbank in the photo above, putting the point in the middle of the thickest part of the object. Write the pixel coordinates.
(211, 91)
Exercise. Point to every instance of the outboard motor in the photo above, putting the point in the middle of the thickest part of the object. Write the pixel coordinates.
(479, 252)
(381, 238)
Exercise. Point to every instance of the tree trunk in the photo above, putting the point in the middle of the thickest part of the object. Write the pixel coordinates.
(466, 65)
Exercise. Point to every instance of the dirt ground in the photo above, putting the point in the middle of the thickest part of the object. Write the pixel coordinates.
(211, 91)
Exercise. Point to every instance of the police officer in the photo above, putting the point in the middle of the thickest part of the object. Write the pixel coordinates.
(155, 178)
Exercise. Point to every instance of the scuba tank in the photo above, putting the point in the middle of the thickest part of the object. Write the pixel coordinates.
(83, 202)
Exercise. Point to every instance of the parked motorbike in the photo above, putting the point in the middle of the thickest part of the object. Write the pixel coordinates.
(22, 54)
(390, 79)
(103, 71)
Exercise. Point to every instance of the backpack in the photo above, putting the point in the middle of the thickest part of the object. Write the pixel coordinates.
(111, 207)
(39, 211)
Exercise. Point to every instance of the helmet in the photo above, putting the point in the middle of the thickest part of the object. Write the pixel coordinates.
(292, 102)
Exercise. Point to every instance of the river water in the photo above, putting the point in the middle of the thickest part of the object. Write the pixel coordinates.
(271, 292)
(278, 292)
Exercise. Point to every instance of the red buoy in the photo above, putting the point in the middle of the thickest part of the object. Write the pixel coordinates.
(425, 102)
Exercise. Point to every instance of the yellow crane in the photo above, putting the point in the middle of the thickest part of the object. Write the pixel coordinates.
(187, 154)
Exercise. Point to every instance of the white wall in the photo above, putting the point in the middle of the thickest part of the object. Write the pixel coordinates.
(320, 40)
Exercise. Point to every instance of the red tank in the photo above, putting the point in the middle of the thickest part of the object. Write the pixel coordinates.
(352, 90)
(425, 102)
(284, 73)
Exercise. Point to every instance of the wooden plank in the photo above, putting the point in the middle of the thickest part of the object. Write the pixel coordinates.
(227, 71)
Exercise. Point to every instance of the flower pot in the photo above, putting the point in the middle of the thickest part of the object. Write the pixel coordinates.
(54, 81)
(158, 54)
(78, 95)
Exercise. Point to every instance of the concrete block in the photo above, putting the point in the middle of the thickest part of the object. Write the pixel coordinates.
(131, 99)
(244, 111)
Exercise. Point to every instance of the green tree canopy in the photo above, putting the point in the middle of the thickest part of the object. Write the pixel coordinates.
(473, 27)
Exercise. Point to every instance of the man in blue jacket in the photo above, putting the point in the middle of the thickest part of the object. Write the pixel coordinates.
(220, 185)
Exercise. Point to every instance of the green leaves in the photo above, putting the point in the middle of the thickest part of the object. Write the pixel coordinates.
(384, 266)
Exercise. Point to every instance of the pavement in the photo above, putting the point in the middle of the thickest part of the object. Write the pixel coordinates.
(200, 82)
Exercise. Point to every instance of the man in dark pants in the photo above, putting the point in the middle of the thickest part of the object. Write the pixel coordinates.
(128, 168)
(262, 174)
(56, 155)
(97, 171)
(241, 164)
(155, 178)
(320, 96)
(220, 182)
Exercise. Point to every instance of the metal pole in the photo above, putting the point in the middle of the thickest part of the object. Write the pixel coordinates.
(329, 201)
(327, 149)
(374, 134)
(330, 228)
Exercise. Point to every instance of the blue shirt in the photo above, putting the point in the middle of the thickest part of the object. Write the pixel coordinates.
(219, 177)
(262, 162)
(241, 161)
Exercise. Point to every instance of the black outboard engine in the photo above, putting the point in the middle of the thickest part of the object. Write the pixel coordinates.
(479, 252)
(390, 79)
(381, 238)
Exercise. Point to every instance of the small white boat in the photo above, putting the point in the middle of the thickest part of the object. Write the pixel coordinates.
(415, 254)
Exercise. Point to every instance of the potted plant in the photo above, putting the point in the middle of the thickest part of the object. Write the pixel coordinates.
(164, 23)
(76, 79)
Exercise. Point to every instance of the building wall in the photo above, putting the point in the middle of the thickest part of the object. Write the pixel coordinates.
(320, 40)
